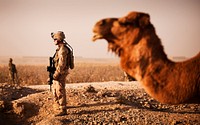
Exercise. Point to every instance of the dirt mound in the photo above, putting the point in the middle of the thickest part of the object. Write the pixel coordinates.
(91, 104)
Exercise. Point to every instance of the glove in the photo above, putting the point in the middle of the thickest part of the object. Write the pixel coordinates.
(56, 75)
(48, 80)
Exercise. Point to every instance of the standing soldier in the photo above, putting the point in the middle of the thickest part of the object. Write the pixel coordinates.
(12, 72)
(61, 71)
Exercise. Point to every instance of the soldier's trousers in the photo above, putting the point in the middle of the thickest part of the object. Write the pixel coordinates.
(13, 78)
(59, 92)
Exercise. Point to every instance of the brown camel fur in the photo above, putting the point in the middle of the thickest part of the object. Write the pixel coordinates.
(134, 40)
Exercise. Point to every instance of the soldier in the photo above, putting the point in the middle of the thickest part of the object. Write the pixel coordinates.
(12, 72)
(60, 62)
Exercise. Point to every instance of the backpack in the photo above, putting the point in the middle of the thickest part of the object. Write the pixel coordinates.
(70, 56)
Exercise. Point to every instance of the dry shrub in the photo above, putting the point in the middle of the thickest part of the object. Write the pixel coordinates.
(87, 72)
(83, 72)
(27, 74)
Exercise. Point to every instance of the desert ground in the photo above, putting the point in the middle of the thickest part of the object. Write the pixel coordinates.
(96, 95)
(100, 103)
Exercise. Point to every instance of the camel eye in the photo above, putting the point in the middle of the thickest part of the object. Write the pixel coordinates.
(124, 23)
(134, 23)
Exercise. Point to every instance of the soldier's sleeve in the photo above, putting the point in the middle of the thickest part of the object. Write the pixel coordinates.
(9, 67)
(62, 54)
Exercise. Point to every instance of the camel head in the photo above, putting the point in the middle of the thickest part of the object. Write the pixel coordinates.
(121, 32)
(134, 40)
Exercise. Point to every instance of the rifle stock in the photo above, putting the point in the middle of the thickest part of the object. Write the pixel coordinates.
(51, 69)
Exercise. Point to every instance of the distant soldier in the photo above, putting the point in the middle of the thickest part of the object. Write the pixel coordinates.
(61, 71)
(12, 72)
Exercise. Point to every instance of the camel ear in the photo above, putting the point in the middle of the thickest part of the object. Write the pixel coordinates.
(125, 20)
(128, 19)
(136, 18)
(144, 20)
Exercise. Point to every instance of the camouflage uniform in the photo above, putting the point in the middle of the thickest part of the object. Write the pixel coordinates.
(59, 76)
(12, 72)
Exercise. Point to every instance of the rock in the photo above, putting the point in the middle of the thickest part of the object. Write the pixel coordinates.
(2, 105)
(18, 108)
(90, 88)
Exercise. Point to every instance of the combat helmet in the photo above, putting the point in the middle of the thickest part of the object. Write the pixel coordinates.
(60, 36)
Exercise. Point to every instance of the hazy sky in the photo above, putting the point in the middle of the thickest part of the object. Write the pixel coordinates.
(25, 25)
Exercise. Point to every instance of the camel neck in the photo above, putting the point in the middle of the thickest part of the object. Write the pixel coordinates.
(148, 56)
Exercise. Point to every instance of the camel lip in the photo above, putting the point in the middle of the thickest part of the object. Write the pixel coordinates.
(97, 36)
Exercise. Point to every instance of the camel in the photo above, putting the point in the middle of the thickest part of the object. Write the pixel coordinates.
(133, 38)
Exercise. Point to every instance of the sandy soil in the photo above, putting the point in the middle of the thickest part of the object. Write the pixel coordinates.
(112, 103)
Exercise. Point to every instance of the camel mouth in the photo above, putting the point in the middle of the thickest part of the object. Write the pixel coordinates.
(97, 36)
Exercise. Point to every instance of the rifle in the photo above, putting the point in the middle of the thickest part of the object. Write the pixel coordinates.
(51, 69)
